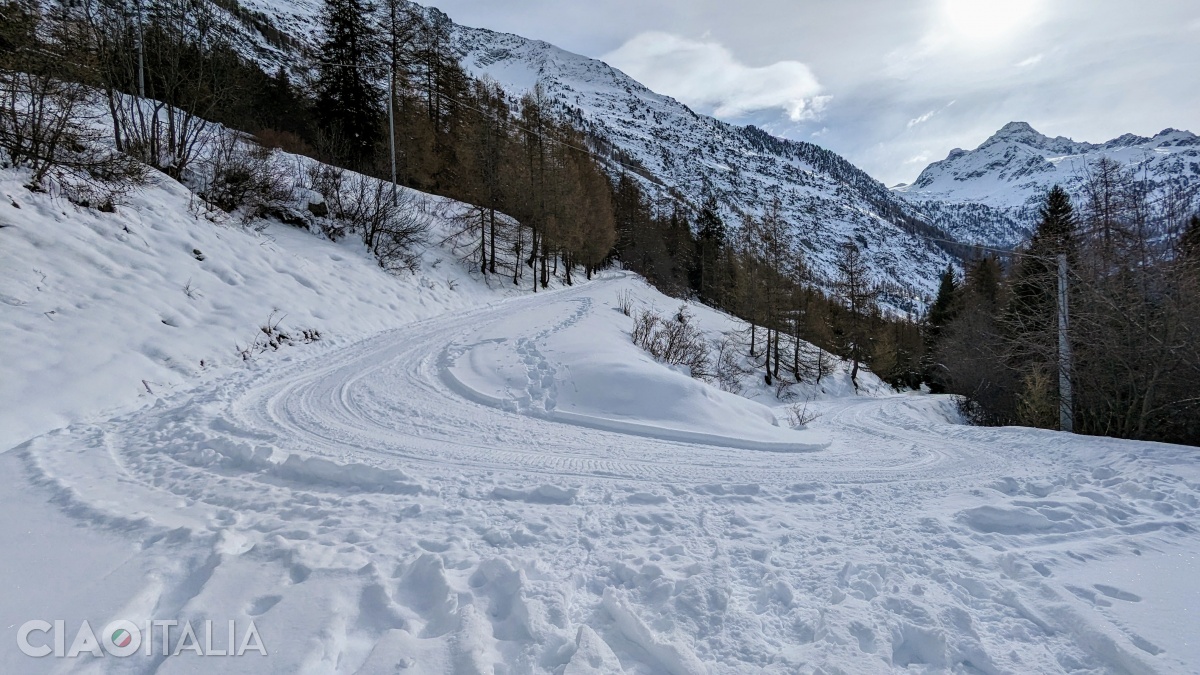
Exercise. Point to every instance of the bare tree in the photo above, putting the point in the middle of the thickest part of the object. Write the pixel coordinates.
(46, 118)
(856, 290)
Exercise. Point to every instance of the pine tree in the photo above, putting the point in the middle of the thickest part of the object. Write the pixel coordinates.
(943, 311)
(712, 238)
(1035, 281)
(1032, 315)
(278, 106)
(1189, 243)
(971, 358)
(946, 304)
(348, 109)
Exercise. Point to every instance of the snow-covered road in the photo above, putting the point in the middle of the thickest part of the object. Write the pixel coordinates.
(450, 497)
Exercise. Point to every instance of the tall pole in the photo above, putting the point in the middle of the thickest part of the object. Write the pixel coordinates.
(392, 103)
(141, 51)
(392, 127)
(1066, 401)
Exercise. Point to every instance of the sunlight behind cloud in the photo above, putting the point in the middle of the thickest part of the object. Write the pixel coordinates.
(707, 75)
(988, 22)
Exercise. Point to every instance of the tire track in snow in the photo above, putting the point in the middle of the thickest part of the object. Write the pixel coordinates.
(378, 443)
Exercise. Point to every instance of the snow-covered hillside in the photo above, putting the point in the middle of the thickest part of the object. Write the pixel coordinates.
(991, 194)
(454, 481)
(100, 311)
(826, 198)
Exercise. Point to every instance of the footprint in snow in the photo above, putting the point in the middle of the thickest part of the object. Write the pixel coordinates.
(262, 605)
(1116, 593)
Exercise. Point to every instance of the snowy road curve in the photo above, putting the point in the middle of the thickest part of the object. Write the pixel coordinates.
(374, 515)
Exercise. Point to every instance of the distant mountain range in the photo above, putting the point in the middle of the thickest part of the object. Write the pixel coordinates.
(991, 194)
(982, 196)
(827, 198)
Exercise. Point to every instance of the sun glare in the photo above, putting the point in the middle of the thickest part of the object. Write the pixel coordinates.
(988, 21)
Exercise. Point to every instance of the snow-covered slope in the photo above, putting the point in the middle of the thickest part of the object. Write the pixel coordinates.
(827, 199)
(369, 516)
(991, 194)
(99, 311)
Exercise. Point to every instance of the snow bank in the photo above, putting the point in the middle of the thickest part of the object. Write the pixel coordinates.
(584, 369)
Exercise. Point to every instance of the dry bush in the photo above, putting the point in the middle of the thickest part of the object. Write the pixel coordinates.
(271, 336)
(675, 341)
(731, 368)
(644, 325)
(247, 177)
(47, 123)
(625, 302)
(392, 222)
(800, 415)
(328, 181)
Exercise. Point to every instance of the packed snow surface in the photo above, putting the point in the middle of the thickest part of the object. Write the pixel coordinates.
(478, 480)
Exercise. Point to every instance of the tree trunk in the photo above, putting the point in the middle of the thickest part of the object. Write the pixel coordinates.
(796, 352)
(767, 353)
(492, 261)
(517, 260)
(483, 241)
(776, 354)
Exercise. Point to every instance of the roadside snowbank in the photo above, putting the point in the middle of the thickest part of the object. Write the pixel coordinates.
(584, 369)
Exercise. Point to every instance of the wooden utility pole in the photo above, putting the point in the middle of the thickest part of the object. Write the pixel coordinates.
(1066, 402)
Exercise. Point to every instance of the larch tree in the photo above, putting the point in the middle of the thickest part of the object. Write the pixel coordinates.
(858, 294)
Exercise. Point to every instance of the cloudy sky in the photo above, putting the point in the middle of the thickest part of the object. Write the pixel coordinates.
(890, 84)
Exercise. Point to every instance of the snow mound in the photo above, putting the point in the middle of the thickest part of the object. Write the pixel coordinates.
(585, 370)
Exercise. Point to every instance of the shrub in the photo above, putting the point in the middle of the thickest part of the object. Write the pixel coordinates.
(247, 177)
(675, 341)
(392, 224)
(625, 302)
(47, 119)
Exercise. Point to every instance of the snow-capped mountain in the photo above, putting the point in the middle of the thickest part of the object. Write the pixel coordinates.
(828, 199)
(991, 194)
(672, 148)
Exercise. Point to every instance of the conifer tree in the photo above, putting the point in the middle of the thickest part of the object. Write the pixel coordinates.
(1189, 243)
(946, 304)
(711, 241)
(1032, 315)
(348, 108)
(1035, 281)
(943, 311)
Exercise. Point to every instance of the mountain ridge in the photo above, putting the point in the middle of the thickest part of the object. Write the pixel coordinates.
(674, 149)
(1003, 180)
(826, 197)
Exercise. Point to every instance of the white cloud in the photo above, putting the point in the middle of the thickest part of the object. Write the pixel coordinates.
(922, 158)
(706, 74)
(922, 119)
(929, 115)
(1031, 61)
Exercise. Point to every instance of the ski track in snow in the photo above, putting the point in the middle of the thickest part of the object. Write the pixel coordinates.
(373, 518)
